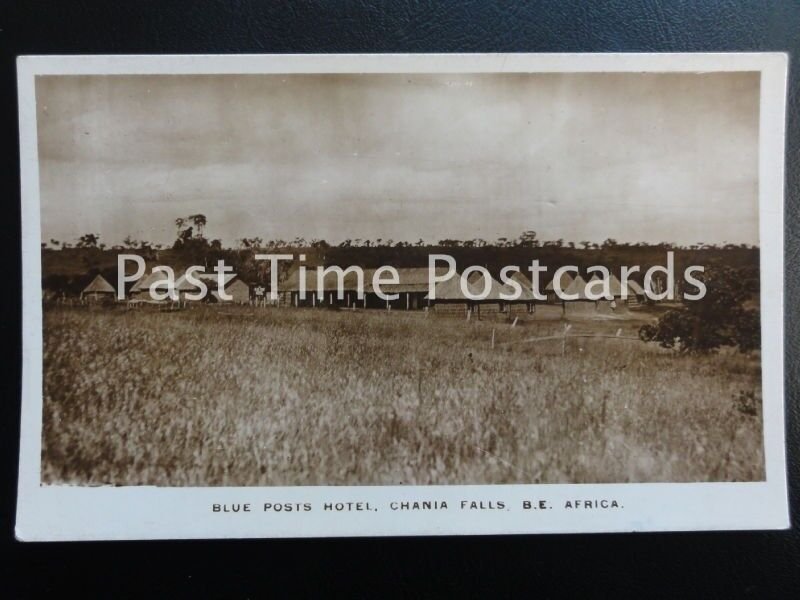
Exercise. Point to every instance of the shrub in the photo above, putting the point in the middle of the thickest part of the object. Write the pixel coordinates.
(718, 319)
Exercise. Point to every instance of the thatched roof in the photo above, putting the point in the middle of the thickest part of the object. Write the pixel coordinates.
(292, 281)
(635, 288)
(145, 282)
(576, 288)
(99, 285)
(210, 279)
(451, 290)
(566, 281)
(495, 287)
(614, 285)
(412, 279)
(527, 286)
(329, 283)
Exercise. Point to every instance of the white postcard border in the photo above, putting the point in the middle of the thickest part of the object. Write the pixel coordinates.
(107, 513)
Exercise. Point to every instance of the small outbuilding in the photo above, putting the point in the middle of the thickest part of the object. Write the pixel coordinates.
(412, 288)
(232, 285)
(141, 289)
(236, 289)
(636, 293)
(614, 302)
(493, 303)
(301, 289)
(566, 280)
(98, 290)
(526, 302)
(578, 303)
(450, 300)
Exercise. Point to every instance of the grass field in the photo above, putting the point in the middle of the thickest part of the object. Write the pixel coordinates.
(243, 396)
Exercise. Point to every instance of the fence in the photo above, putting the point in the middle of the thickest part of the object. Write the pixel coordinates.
(564, 336)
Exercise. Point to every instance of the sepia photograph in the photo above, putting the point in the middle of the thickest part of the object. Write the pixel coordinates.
(373, 170)
(394, 279)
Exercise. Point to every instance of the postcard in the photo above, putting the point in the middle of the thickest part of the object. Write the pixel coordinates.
(386, 295)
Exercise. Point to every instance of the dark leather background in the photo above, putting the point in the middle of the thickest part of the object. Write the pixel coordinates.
(758, 564)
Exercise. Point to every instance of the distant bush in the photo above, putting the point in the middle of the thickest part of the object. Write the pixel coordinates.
(746, 403)
(718, 319)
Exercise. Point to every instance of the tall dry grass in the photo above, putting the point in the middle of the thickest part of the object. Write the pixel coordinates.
(237, 396)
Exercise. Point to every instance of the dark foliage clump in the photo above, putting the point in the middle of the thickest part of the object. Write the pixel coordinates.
(720, 318)
(746, 403)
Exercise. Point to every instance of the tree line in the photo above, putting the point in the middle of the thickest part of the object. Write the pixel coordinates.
(192, 227)
(66, 270)
(721, 319)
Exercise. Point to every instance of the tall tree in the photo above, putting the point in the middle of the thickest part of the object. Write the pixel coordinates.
(528, 239)
(88, 240)
(199, 221)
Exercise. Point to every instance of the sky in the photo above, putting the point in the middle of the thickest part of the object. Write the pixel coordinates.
(629, 156)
